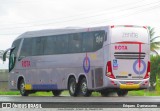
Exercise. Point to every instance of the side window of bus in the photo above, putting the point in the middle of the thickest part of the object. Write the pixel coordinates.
(99, 37)
(87, 42)
(74, 43)
(26, 48)
(62, 44)
(37, 46)
(50, 45)
(16, 45)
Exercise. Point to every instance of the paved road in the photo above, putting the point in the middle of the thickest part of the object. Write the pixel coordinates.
(91, 103)
(79, 99)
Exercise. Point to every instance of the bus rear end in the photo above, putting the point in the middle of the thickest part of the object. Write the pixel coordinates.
(128, 67)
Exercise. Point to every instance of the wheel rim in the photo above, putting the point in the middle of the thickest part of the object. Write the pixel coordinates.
(22, 88)
(84, 88)
(72, 87)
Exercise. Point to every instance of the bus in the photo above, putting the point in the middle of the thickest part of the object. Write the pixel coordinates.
(82, 60)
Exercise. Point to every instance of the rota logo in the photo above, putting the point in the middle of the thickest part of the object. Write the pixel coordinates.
(26, 63)
(121, 47)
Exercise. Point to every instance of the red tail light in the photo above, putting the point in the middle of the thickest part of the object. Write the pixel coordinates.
(112, 26)
(148, 71)
(109, 70)
(145, 27)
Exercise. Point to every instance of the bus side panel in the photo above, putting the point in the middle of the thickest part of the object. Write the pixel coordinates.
(107, 57)
(55, 69)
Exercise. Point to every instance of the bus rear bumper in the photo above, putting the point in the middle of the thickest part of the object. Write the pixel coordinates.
(128, 84)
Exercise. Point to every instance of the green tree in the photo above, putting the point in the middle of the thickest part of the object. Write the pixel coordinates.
(155, 60)
(154, 44)
(1, 54)
(155, 70)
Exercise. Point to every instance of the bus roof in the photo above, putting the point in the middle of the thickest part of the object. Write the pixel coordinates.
(66, 30)
(48, 32)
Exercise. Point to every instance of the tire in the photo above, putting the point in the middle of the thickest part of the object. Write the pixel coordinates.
(22, 90)
(56, 92)
(72, 87)
(84, 89)
(122, 93)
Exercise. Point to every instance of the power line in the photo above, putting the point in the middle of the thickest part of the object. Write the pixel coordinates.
(111, 19)
(83, 13)
(125, 15)
(73, 19)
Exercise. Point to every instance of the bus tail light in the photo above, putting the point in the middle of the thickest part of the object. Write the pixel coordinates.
(109, 72)
(112, 26)
(148, 71)
(145, 27)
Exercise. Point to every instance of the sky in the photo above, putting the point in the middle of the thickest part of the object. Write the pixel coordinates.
(19, 16)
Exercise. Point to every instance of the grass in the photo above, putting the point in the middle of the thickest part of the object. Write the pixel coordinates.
(66, 93)
(144, 93)
(42, 94)
(9, 93)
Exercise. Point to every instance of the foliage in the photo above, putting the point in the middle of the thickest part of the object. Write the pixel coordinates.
(155, 60)
(155, 69)
(157, 83)
(154, 44)
(1, 54)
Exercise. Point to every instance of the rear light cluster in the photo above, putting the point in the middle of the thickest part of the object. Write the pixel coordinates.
(145, 83)
(148, 71)
(109, 72)
(112, 26)
(145, 27)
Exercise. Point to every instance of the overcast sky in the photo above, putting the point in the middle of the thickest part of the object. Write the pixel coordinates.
(19, 16)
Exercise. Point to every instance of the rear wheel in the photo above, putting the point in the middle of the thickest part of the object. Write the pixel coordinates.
(22, 90)
(84, 89)
(72, 87)
(122, 93)
(56, 92)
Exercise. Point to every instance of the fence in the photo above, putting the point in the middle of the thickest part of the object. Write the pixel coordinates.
(4, 80)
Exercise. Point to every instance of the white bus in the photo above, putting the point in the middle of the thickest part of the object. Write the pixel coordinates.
(81, 60)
